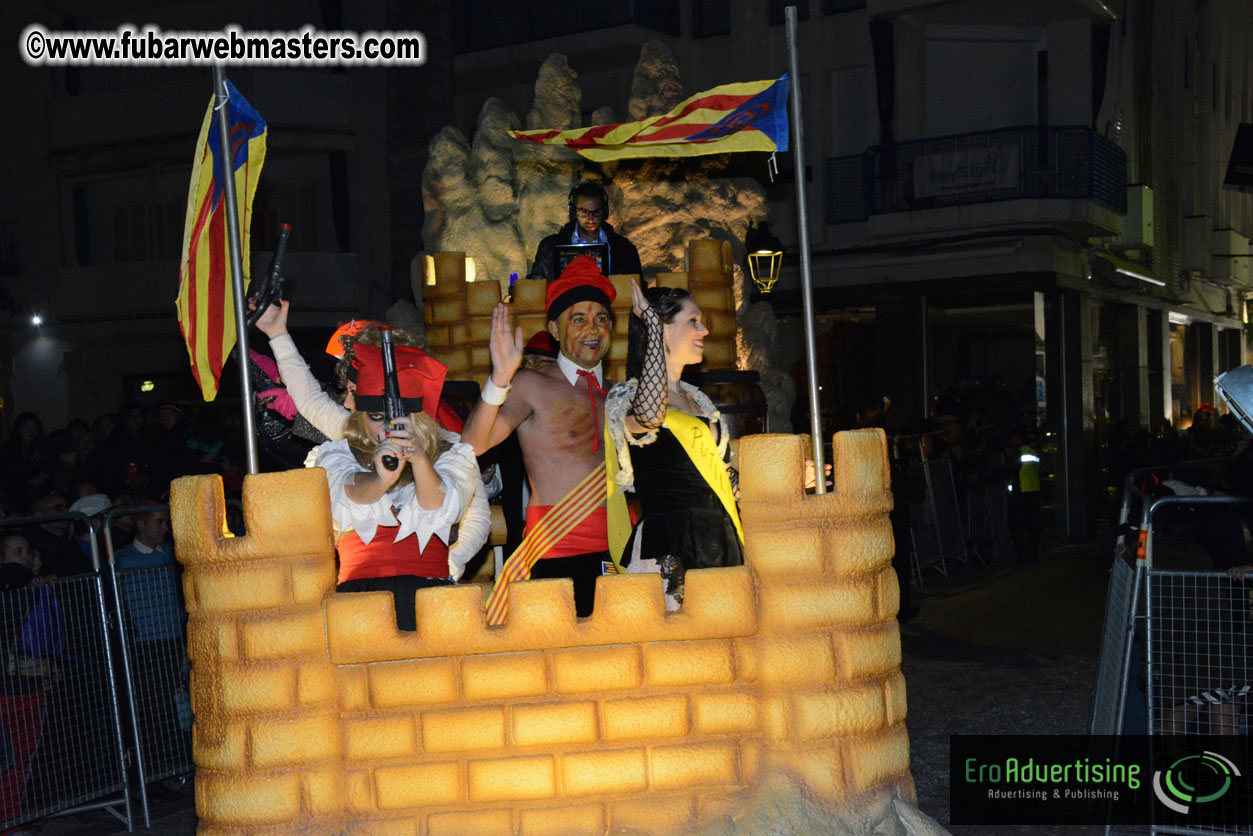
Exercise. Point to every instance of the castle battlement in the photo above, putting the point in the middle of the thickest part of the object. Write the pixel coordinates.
(315, 715)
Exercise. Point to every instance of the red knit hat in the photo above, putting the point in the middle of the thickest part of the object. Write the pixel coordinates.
(581, 281)
(421, 379)
(542, 344)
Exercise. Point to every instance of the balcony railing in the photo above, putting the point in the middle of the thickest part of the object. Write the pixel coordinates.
(1005, 164)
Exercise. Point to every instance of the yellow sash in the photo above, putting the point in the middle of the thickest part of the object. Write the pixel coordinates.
(617, 516)
(561, 519)
(697, 441)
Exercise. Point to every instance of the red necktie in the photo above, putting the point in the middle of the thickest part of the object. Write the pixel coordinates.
(593, 385)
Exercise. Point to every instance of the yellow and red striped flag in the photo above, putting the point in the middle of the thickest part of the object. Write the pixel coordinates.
(747, 116)
(206, 305)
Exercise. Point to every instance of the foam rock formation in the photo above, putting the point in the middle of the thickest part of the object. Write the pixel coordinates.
(495, 198)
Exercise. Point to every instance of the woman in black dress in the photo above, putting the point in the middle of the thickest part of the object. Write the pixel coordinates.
(672, 445)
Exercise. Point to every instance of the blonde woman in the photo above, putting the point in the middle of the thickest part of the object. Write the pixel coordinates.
(393, 526)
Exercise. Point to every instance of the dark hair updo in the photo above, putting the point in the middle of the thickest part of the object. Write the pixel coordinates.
(667, 301)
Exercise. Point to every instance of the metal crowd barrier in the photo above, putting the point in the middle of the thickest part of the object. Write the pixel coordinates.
(1192, 630)
(76, 710)
(61, 748)
(1198, 653)
(1121, 652)
(1197, 671)
(152, 639)
(925, 550)
(987, 521)
(939, 530)
(1109, 695)
(942, 494)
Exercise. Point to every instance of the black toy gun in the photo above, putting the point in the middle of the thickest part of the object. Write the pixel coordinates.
(393, 408)
(270, 290)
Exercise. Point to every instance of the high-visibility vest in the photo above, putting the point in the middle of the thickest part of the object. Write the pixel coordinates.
(1028, 469)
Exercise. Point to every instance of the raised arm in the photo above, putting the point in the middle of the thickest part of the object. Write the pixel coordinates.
(494, 417)
(319, 408)
(648, 409)
(426, 482)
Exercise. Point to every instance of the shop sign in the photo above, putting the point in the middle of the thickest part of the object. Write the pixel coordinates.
(973, 170)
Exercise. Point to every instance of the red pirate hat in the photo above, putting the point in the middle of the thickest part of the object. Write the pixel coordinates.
(420, 375)
(335, 347)
(581, 281)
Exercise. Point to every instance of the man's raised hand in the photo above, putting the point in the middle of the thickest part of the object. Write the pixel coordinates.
(506, 346)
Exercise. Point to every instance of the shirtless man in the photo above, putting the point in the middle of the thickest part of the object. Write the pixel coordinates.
(559, 414)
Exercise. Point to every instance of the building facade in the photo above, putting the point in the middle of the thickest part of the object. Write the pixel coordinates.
(1018, 206)
(97, 171)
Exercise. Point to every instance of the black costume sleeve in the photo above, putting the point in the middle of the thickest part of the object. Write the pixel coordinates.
(650, 403)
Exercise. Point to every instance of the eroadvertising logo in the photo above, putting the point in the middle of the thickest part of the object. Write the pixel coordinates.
(1015, 778)
(1194, 779)
(1080, 779)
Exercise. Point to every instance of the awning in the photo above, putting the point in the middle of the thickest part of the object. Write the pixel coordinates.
(1104, 264)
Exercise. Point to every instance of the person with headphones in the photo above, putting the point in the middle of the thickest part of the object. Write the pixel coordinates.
(588, 212)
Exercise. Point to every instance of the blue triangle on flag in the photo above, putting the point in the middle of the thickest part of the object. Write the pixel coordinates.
(766, 112)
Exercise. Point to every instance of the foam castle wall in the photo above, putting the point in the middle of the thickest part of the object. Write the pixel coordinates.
(315, 715)
(459, 313)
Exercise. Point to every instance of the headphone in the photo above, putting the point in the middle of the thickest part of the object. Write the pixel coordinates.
(587, 189)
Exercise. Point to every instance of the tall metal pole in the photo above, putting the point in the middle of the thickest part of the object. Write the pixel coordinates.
(237, 264)
(802, 217)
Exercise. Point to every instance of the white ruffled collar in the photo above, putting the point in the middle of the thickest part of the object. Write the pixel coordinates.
(618, 401)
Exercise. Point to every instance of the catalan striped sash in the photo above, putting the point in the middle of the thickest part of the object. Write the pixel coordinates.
(573, 508)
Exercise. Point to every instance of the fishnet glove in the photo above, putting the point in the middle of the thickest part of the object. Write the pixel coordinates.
(734, 476)
(648, 408)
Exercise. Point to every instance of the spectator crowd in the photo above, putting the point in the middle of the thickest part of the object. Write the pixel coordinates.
(55, 729)
(123, 459)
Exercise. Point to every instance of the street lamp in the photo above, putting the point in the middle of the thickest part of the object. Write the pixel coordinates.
(764, 266)
(765, 257)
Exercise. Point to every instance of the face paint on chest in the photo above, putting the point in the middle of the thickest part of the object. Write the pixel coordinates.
(575, 429)
(583, 333)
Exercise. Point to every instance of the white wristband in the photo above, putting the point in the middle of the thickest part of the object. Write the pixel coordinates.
(493, 394)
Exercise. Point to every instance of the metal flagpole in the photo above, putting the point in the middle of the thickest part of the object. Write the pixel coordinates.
(237, 265)
(802, 215)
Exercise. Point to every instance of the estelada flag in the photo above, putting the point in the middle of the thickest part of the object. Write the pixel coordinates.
(747, 116)
(206, 305)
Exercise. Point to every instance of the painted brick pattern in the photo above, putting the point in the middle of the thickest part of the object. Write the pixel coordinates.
(315, 715)
(267, 734)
